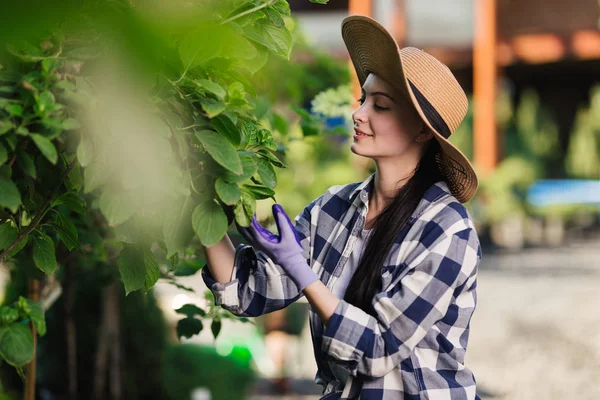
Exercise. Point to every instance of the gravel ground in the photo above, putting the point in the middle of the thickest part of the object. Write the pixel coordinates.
(536, 332)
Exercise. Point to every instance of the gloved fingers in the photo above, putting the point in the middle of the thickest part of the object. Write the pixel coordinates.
(284, 224)
(262, 234)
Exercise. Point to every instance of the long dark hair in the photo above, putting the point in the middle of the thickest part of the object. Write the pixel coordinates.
(366, 282)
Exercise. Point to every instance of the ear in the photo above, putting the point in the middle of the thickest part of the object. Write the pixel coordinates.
(425, 134)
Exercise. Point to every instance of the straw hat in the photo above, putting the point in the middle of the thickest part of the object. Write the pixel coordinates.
(433, 90)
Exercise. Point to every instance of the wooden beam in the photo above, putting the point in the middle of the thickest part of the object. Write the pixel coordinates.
(484, 85)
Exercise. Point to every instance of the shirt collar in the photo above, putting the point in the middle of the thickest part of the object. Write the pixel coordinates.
(436, 191)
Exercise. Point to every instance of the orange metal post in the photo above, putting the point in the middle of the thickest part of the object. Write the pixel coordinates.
(358, 7)
(484, 82)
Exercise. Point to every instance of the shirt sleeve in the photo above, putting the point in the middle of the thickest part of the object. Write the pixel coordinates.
(260, 286)
(373, 345)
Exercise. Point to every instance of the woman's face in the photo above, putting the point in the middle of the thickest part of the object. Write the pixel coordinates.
(388, 119)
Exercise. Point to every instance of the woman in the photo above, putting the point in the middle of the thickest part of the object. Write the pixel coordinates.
(388, 265)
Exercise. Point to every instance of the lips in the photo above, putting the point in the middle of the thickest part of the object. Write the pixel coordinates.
(359, 134)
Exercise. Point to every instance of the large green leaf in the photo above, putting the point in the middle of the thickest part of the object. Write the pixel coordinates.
(190, 310)
(225, 126)
(8, 234)
(72, 200)
(26, 163)
(44, 254)
(117, 207)
(211, 87)
(152, 270)
(3, 154)
(132, 267)
(221, 150)
(248, 166)
(259, 192)
(177, 228)
(10, 196)
(22, 243)
(209, 222)
(189, 327)
(46, 147)
(212, 107)
(244, 210)
(228, 192)
(16, 345)
(67, 231)
(36, 314)
(267, 173)
(282, 39)
(200, 45)
(272, 158)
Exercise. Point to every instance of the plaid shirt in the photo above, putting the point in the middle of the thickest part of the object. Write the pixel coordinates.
(414, 344)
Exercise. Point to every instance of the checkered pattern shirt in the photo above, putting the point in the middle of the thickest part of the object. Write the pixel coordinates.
(413, 345)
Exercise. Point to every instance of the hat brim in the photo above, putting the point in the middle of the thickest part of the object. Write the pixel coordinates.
(373, 50)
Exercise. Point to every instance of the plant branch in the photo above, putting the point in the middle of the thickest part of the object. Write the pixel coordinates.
(40, 214)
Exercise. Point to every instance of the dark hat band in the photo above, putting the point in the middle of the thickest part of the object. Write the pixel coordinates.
(433, 117)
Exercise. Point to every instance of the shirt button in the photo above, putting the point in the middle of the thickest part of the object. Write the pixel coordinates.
(364, 195)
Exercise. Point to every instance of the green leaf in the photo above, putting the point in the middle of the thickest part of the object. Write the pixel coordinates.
(212, 107)
(275, 17)
(44, 255)
(188, 267)
(67, 231)
(319, 1)
(248, 166)
(75, 179)
(209, 222)
(309, 129)
(221, 150)
(283, 7)
(267, 173)
(189, 327)
(152, 270)
(212, 87)
(190, 310)
(117, 207)
(22, 243)
(250, 132)
(8, 234)
(228, 192)
(46, 147)
(272, 158)
(16, 345)
(177, 226)
(85, 151)
(26, 163)
(200, 45)
(259, 192)
(8, 315)
(215, 327)
(227, 128)
(36, 314)
(16, 110)
(282, 39)
(9, 194)
(5, 126)
(23, 306)
(132, 267)
(244, 210)
(72, 200)
(3, 154)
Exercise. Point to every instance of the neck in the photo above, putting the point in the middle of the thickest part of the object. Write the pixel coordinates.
(390, 176)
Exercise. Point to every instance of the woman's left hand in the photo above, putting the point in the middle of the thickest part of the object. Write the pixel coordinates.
(284, 249)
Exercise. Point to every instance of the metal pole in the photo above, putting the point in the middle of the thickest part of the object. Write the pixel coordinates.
(484, 83)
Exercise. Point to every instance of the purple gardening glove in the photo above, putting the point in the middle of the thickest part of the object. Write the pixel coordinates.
(285, 249)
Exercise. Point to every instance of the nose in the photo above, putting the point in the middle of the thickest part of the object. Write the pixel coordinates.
(359, 115)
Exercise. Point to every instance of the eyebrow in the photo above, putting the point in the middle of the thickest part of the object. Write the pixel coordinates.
(377, 94)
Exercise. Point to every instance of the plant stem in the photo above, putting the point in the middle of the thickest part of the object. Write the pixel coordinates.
(40, 214)
(250, 11)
